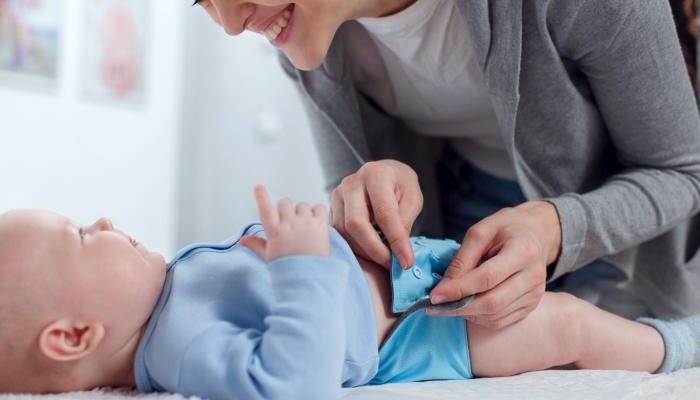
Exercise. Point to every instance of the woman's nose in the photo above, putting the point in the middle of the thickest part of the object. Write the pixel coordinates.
(233, 14)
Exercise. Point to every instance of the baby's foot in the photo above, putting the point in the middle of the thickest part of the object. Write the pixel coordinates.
(682, 340)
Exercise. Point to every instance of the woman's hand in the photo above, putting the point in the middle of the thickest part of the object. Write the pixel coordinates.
(391, 190)
(290, 231)
(517, 244)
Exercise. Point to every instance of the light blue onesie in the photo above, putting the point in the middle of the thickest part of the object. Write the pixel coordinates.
(229, 326)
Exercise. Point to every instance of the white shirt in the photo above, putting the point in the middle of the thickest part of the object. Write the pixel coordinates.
(436, 81)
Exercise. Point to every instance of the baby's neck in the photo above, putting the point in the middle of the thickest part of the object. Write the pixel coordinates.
(117, 368)
(129, 352)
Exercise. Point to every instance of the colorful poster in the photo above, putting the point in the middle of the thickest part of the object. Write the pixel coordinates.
(115, 50)
(29, 33)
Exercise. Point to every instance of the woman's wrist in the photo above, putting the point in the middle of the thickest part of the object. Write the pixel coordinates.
(548, 219)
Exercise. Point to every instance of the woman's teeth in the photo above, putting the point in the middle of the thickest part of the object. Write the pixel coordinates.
(276, 27)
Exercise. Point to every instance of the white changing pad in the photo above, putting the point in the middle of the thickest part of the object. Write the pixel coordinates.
(552, 384)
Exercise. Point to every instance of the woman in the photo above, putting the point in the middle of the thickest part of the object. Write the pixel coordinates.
(572, 123)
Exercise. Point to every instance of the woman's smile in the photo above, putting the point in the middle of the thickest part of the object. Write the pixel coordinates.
(274, 28)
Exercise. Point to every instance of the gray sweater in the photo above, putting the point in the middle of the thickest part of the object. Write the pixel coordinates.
(598, 116)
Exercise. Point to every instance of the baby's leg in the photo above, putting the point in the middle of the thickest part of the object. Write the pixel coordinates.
(564, 330)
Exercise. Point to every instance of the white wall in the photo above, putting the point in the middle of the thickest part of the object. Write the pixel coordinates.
(219, 117)
(244, 125)
(86, 160)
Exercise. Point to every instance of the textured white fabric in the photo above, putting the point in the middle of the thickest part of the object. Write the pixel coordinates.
(437, 84)
(683, 384)
(569, 385)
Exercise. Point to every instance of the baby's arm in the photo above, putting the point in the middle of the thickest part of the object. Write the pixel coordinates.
(564, 330)
(298, 350)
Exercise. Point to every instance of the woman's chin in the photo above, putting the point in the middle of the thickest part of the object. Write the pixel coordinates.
(306, 60)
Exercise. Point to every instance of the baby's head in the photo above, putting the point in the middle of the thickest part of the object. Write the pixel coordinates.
(74, 301)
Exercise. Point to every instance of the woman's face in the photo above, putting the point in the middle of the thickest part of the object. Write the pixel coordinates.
(303, 30)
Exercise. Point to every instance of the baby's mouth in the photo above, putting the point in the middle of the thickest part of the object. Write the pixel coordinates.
(133, 242)
(276, 27)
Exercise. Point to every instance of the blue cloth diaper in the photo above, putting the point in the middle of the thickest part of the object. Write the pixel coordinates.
(420, 347)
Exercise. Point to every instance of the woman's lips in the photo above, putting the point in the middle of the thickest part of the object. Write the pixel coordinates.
(261, 27)
(281, 37)
(133, 242)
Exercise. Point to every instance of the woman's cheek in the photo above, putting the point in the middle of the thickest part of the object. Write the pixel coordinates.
(213, 14)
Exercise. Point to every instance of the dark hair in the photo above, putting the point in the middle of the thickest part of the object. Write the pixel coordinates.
(685, 16)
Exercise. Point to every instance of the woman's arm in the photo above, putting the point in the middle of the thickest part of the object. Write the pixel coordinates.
(630, 54)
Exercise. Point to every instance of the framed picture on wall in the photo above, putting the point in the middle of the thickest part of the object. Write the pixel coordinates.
(29, 42)
(115, 50)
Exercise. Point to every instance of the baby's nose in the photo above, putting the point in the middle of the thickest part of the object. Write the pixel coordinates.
(104, 224)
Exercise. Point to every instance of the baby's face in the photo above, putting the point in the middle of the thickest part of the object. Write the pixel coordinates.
(95, 272)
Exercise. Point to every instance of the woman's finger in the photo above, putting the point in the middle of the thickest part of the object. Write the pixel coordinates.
(475, 245)
(336, 215)
(385, 206)
(499, 301)
(490, 274)
(268, 214)
(337, 220)
(505, 298)
(528, 300)
(513, 277)
(360, 252)
(502, 322)
(357, 225)
(410, 205)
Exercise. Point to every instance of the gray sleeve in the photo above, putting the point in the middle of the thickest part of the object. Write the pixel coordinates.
(630, 53)
(337, 158)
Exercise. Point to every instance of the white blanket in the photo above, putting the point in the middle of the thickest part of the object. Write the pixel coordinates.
(552, 384)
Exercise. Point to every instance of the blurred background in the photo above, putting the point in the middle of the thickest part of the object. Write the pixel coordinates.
(144, 111)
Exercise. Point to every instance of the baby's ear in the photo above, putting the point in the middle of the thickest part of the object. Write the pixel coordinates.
(69, 340)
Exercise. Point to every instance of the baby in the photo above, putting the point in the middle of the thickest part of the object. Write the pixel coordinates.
(288, 312)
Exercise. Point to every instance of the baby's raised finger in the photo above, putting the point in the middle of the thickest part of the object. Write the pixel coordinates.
(285, 208)
(304, 210)
(319, 211)
(267, 211)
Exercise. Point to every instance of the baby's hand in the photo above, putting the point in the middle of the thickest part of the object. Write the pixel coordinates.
(303, 231)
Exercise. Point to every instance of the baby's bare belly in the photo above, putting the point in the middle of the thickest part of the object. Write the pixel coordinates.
(380, 287)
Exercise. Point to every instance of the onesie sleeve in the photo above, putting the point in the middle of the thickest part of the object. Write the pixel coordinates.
(298, 355)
